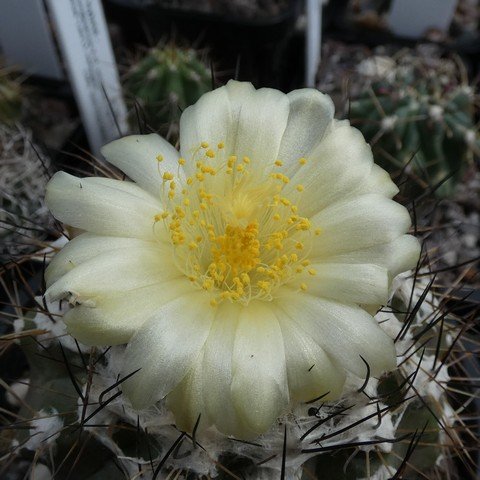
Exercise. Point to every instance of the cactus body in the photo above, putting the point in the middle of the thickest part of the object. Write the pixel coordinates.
(366, 434)
(418, 112)
(165, 82)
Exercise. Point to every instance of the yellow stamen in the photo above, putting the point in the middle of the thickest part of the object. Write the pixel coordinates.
(238, 237)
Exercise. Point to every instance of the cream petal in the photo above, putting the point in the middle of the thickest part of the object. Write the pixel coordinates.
(104, 206)
(85, 247)
(355, 283)
(311, 372)
(310, 114)
(124, 186)
(186, 400)
(208, 120)
(358, 223)
(114, 271)
(259, 385)
(378, 182)
(136, 156)
(173, 338)
(396, 256)
(218, 359)
(205, 390)
(249, 122)
(345, 332)
(259, 118)
(341, 162)
(116, 317)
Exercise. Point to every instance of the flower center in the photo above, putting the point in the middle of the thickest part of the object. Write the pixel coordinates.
(238, 250)
(233, 230)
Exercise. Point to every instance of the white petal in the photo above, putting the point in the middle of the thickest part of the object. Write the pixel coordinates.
(310, 114)
(166, 347)
(83, 248)
(115, 271)
(341, 162)
(396, 256)
(205, 390)
(378, 182)
(259, 119)
(249, 122)
(207, 121)
(356, 283)
(115, 318)
(186, 400)
(357, 223)
(311, 373)
(136, 155)
(218, 359)
(259, 386)
(345, 332)
(103, 206)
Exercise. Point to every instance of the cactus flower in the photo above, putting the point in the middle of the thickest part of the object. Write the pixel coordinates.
(240, 270)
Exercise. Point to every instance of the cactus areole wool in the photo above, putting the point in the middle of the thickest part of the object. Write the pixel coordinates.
(240, 270)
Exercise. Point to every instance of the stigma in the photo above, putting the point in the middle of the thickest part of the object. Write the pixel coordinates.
(233, 231)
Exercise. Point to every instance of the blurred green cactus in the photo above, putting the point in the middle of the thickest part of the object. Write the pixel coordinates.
(419, 115)
(166, 81)
(10, 98)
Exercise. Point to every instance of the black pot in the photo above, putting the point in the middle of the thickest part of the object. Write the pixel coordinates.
(255, 49)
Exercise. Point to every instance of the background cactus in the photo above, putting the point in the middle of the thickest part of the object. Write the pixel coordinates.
(419, 113)
(401, 426)
(164, 82)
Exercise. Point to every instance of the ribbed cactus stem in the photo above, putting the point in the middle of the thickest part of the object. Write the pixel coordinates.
(166, 81)
(419, 111)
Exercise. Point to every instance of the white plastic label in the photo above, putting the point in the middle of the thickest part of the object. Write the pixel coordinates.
(83, 37)
(413, 18)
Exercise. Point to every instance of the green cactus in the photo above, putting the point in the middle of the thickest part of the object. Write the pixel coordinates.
(416, 111)
(166, 81)
(10, 98)
(405, 422)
